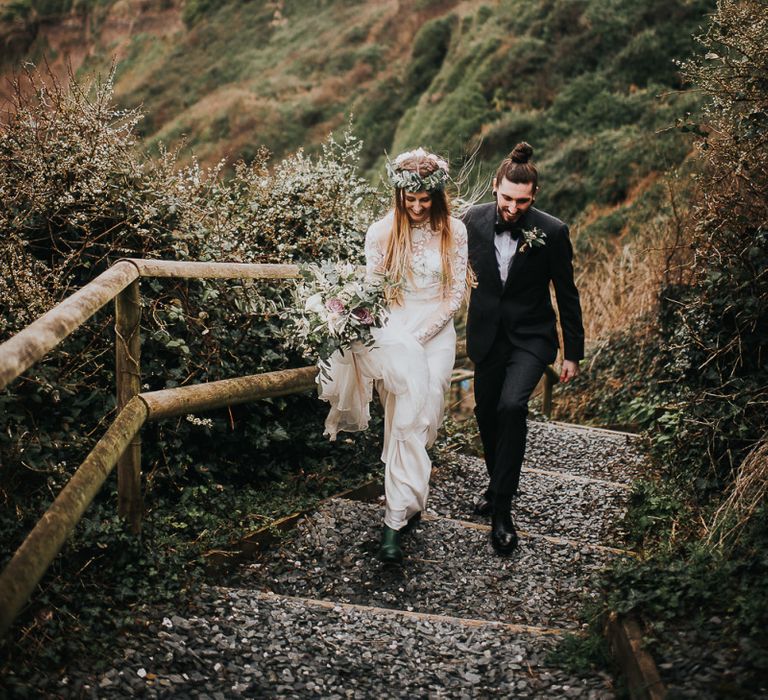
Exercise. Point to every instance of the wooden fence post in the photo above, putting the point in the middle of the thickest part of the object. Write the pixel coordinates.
(128, 379)
(546, 397)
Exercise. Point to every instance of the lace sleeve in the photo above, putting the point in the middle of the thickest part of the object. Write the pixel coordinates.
(374, 251)
(452, 303)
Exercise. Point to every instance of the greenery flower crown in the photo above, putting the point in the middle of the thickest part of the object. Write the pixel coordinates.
(413, 182)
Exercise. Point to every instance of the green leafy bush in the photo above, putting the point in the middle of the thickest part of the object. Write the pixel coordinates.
(78, 194)
(86, 182)
(697, 379)
(724, 318)
(511, 128)
(516, 80)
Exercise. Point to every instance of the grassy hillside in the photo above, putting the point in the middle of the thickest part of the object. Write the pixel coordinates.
(591, 83)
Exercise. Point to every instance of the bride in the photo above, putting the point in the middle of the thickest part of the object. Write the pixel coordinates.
(421, 253)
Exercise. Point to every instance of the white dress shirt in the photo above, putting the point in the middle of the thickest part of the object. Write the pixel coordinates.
(506, 247)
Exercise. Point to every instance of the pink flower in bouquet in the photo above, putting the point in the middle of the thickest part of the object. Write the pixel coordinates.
(363, 316)
(335, 305)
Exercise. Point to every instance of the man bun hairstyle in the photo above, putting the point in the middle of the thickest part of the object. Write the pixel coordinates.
(517, 167)
(521, 153)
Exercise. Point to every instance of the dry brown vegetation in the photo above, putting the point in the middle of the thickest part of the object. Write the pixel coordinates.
(745, 496)
(619, 280)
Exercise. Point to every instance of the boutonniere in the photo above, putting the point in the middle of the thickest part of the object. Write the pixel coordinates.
(533, 238)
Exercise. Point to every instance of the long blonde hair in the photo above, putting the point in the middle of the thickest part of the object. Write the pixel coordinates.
(397, 257)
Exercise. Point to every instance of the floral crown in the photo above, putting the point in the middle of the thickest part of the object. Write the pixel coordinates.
(410, 180)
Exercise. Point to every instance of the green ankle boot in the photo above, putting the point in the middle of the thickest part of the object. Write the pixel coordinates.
(390, 552)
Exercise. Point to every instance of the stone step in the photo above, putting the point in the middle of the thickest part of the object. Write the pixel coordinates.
(245, 643)
(526, 534)
(320, 616)
(552, 503)
(584, 451)
(468, 622)
(449, 569)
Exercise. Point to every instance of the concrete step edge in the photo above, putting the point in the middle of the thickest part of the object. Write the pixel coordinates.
(592, 429)
(532, 535)
(271, 596)
(567, 476)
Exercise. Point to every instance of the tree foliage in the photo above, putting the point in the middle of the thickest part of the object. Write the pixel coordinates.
(77, 194)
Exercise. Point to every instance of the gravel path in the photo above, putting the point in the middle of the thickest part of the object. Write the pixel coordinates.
(449, 569)
(583, 451)
(581, 508)
(320, 617)
(247, 645)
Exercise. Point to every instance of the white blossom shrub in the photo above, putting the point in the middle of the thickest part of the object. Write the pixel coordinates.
(78, 193)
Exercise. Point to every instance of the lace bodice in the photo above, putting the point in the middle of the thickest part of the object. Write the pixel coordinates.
(425, 281)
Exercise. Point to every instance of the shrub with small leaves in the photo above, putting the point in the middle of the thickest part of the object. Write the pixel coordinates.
(76, 194)
(724, 317)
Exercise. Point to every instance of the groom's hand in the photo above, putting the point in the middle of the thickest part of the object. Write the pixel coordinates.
(569, 370)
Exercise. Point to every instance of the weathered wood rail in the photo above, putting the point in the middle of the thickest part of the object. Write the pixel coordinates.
(121, 445)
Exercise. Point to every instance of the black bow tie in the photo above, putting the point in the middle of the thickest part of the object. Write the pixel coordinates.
(507, 227)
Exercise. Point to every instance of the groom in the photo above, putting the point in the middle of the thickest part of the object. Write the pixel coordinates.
(515, 251)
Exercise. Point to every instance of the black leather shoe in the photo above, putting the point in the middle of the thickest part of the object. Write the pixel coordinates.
(503, 534)
(483, 507)
(390, 552)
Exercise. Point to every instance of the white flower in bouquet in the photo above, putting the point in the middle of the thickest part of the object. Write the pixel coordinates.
(334, 306)
(315, 303)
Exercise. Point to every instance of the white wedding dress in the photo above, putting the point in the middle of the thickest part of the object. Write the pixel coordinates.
(410, 366)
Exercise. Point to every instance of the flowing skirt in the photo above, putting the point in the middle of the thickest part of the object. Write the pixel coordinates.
(411, 380)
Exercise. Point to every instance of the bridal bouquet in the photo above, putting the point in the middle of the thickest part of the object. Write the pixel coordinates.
(334, 305)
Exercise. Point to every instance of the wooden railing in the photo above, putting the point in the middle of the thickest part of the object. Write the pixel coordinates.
(120, 445)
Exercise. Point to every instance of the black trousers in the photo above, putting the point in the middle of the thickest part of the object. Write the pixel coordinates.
(504, 382)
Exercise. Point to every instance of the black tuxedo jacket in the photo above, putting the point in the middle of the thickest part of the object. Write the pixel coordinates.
(522, 306)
